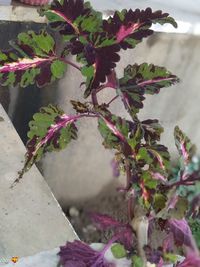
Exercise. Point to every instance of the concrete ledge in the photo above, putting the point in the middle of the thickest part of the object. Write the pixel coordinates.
(31, 218)
(20, 13)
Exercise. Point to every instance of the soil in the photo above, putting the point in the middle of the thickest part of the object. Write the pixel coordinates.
(108, 202)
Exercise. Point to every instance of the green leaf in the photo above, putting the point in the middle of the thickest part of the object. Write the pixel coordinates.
(144, 156)
(139, 80)
(149, 182)
(169, 257)
(58, 69)
(50, 130)
(115, 131)
(156, 156)
(186, 149)
(159, 201)
(32, 60)
(175, 211)
(118, 251)
(180, 209)
(137, 261)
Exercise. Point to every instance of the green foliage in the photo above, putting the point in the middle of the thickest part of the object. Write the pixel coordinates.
(118, 251)
(137, 261)
(142, 79)
(50, 130)
(185, 147)
(95, 44)
(195, 228)
(33, 60)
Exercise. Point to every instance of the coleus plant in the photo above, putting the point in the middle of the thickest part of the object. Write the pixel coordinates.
(154, 201)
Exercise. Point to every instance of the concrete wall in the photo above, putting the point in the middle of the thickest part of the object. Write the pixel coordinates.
(83, 170)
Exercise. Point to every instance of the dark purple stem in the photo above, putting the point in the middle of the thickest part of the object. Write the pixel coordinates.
(70, 63)
(113, 99)
(187, 182)
(94, 98)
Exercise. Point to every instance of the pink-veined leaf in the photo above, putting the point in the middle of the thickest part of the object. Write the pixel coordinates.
(142, 79)
(156, 155)
(73, 18)
(123, 231)
(80, 254)
(103, 221)
(32, 60)
(130, 27)
(115, 132)
(50, 130)
(185, 148)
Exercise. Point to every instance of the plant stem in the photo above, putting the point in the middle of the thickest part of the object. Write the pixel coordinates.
(190, 181)
(94, 98)
(128, 185)
(140, 225)
(113, 99)
(70, 63)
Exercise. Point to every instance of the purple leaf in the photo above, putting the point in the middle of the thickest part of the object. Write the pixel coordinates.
(103, 60)
(73, 17)
(123, 231)
(130, 27)
(182, 233)
(103, 221)
(79, 254)
(192, 260)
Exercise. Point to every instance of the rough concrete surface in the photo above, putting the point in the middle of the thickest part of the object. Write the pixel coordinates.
(31, 219)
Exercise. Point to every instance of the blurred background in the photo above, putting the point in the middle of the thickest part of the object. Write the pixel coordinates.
(83, 171)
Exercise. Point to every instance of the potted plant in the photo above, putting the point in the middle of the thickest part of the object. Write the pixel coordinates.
(155, 204)
(35, 2)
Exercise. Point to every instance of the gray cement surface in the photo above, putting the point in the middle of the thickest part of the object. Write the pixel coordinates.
(31, 218)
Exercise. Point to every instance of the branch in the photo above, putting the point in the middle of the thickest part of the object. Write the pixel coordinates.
(113, 99)
(185, 181)
(70, 63)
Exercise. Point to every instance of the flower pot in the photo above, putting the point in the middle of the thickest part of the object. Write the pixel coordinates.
(35, 2)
